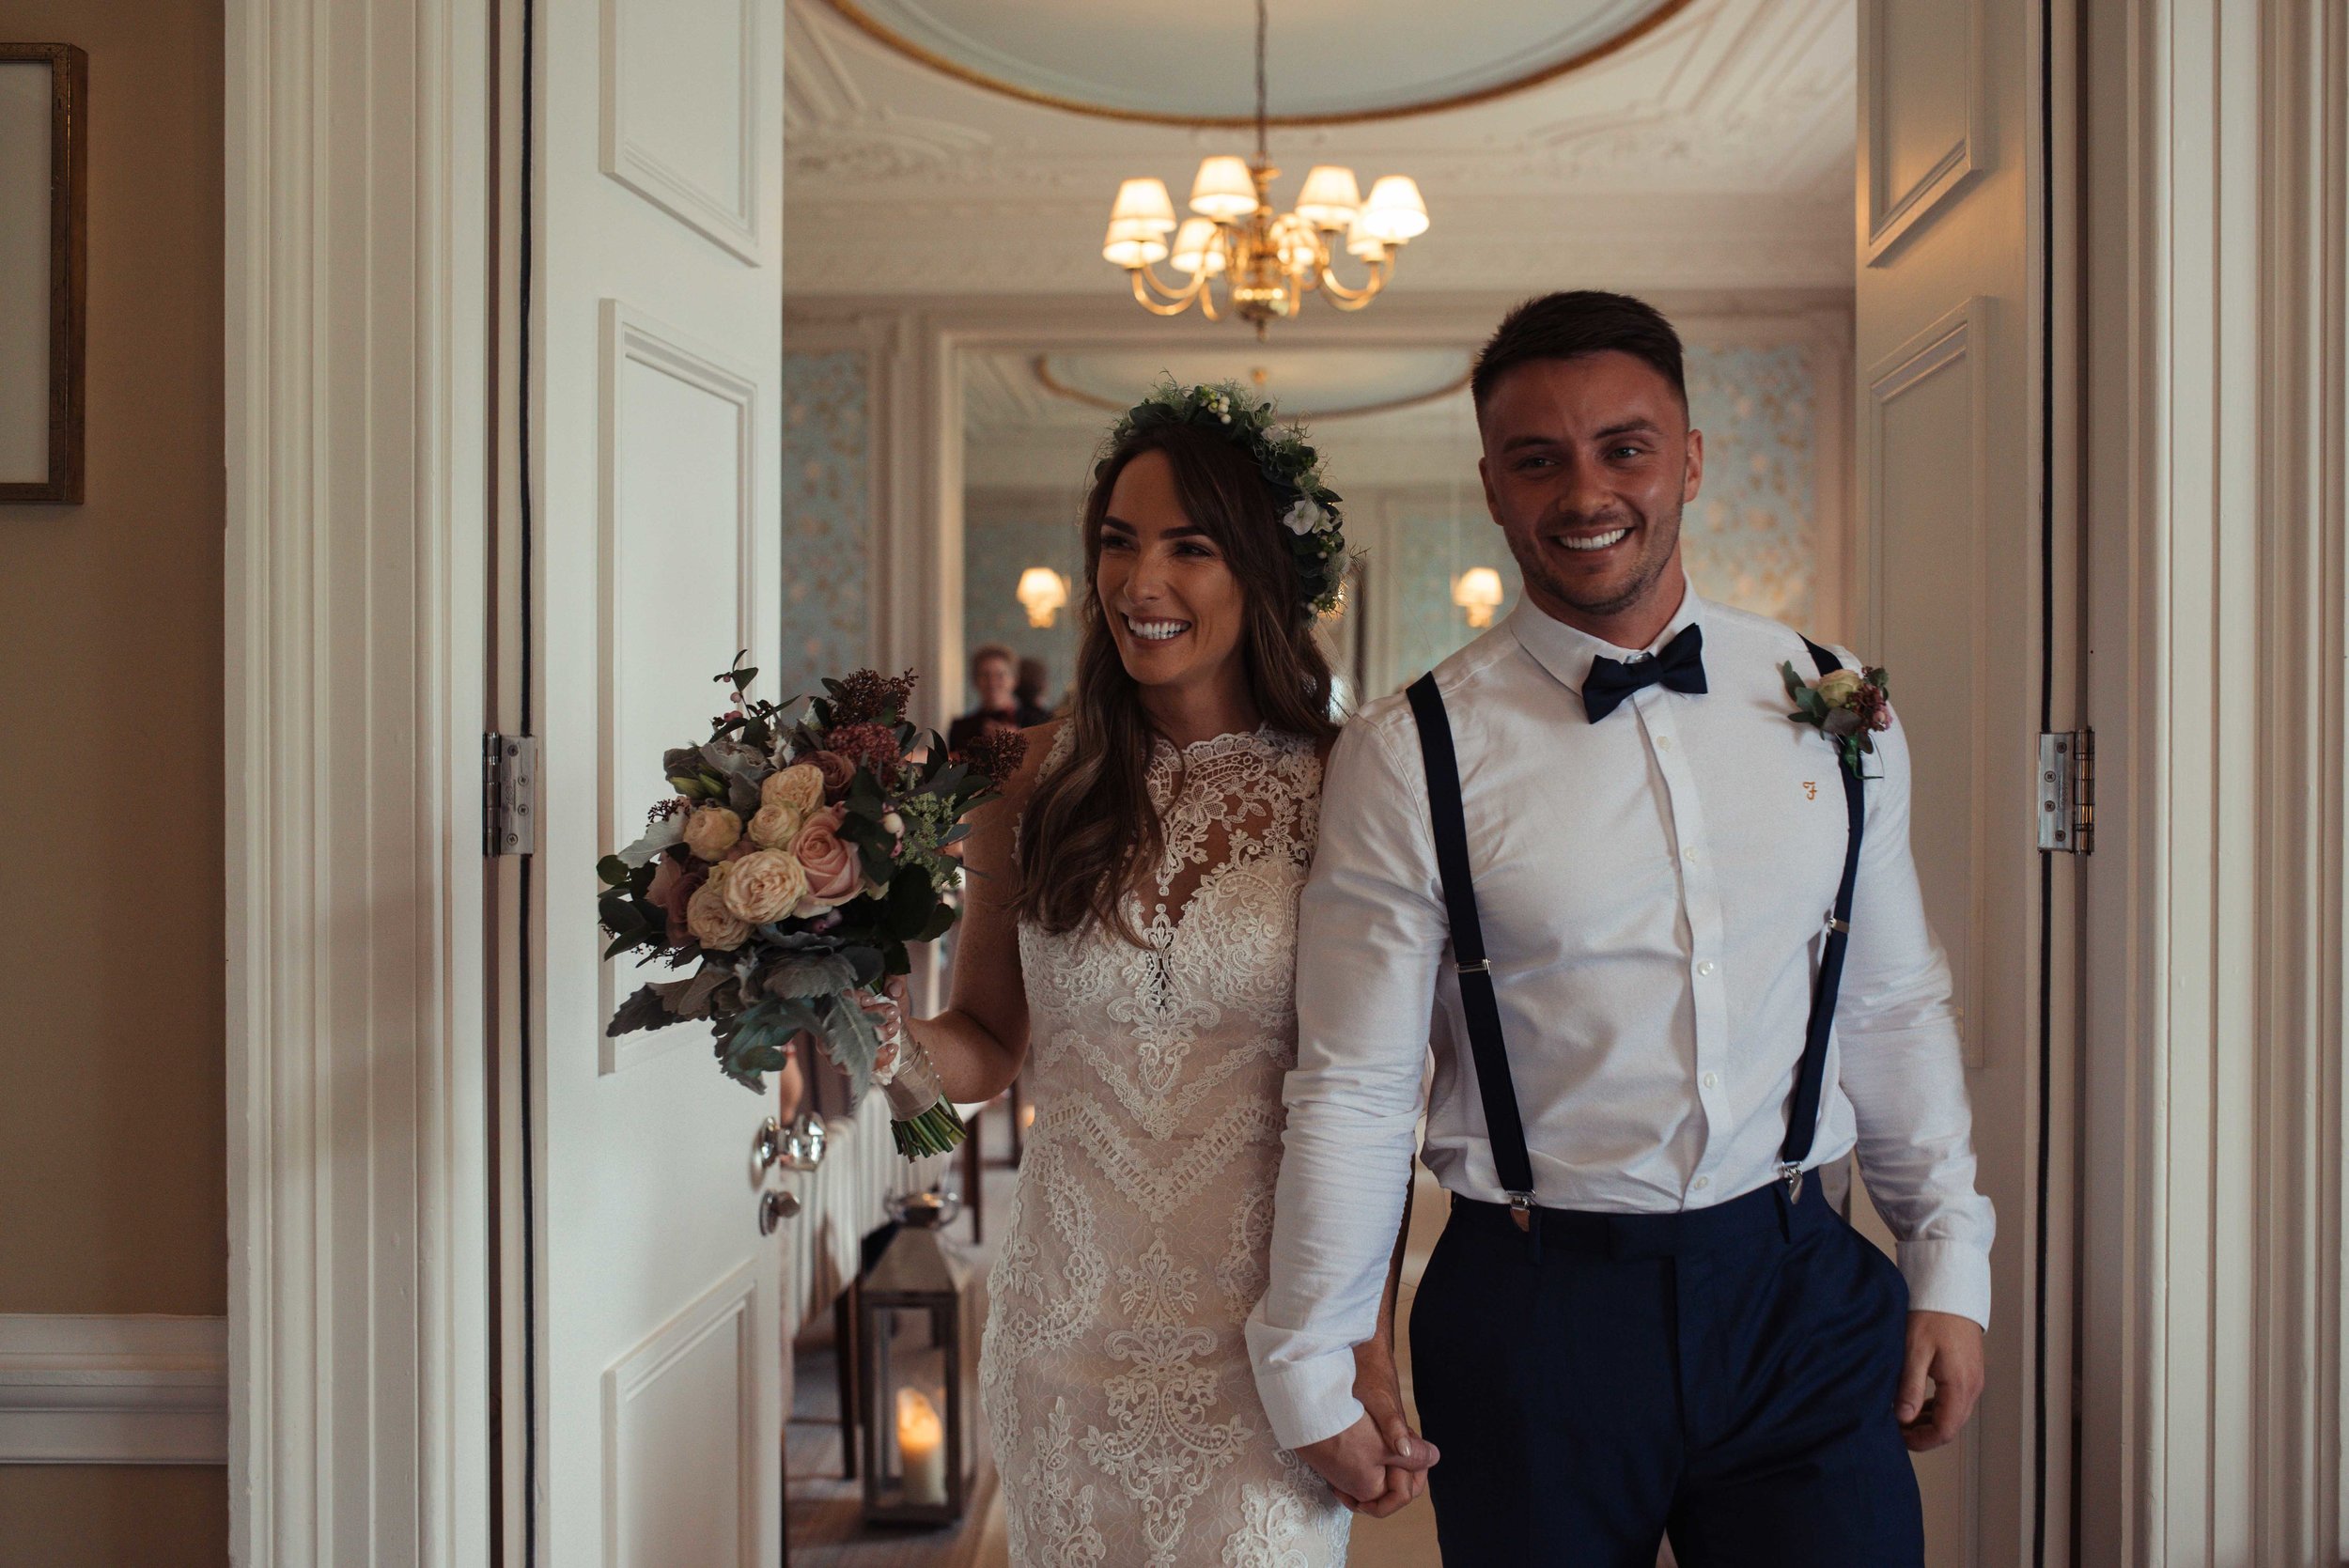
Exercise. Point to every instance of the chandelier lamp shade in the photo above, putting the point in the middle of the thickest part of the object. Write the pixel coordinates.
(1479, 592)
(1043, 593)
(1264, 261)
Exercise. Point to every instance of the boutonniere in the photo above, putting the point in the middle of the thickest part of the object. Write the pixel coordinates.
(1846, 706)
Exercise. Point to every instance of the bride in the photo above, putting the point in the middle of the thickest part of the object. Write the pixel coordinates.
(1132, 916)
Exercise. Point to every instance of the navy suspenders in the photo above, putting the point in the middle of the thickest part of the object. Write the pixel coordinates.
(1477, 1000)
(1481, 1008)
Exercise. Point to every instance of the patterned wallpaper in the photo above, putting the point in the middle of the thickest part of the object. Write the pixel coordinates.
(827, 520)
(1003, 536)
(1746, 540)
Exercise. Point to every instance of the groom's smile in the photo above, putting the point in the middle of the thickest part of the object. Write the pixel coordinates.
(1587, 463)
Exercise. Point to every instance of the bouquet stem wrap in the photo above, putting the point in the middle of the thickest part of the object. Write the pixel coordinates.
(922, 1120)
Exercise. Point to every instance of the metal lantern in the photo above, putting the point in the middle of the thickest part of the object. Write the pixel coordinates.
(918, 1317)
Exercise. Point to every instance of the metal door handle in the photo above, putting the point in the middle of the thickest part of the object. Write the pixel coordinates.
(797, 1147)
(773, 1209)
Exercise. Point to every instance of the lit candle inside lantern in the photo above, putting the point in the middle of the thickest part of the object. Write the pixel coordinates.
(921, 1449)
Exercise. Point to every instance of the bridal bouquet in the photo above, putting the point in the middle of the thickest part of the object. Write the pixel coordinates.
(799, 854)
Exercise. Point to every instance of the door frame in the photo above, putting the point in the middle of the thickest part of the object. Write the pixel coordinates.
(357, 293)
(357, 163)
(2215, 265)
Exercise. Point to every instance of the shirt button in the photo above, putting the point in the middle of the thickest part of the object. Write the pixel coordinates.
(1712, 1080)
(1706, 968)
(1663, 742)
(1701, 1183)
(1690, 854)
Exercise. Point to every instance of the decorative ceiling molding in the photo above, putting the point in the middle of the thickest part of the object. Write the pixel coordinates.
(1003, 248)
(861, 15)
(1041, 368)
(1717, 152)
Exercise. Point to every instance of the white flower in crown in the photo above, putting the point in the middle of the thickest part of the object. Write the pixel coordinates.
(1306, 517)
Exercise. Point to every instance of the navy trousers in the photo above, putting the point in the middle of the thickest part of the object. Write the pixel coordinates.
(1724, 1375)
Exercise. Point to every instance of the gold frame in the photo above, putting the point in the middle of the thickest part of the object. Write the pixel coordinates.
(1041, 368)
(849, 11)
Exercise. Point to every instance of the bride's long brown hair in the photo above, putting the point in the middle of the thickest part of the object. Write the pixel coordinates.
(1090, 828)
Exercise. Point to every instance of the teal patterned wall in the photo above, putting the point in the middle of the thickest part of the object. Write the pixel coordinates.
(827, 519)
(1746, 540)
(1001, 538)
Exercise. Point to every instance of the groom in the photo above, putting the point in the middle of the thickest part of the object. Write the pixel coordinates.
(1675, 956)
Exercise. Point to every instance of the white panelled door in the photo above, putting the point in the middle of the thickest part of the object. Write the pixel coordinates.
(654, 402)
(1950, 591)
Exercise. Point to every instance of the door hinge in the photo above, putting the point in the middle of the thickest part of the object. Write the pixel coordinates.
(510, 793)
(2067, 792)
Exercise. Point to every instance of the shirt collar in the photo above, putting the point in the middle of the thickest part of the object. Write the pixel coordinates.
(1566, 652)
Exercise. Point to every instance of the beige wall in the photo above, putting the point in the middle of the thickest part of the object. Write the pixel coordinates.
(112, 1165)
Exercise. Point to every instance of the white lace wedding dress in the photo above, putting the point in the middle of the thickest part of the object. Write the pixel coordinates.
(1114, 1374)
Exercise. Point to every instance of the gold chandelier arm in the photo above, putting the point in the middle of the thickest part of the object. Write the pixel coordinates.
(1149, 290)
(1354, 299)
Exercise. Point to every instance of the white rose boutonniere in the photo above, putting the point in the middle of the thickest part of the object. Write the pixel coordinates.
(1848, 707)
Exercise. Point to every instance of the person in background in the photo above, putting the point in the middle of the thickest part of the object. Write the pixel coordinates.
(993, 676)
(1028, 690)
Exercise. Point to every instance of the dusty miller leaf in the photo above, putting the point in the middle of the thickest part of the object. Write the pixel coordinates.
(812, 974)
(663, 834)
(851, 1041)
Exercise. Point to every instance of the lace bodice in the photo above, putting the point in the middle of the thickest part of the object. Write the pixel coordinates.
(1115, 1375)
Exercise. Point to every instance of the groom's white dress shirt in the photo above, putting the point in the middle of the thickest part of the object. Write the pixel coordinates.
(1653, 891)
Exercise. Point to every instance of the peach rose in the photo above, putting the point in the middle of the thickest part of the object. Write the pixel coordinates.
(776, 825)
(713, 924)
(830, 863)
(711, 830)
(800, 786)
(763, 886)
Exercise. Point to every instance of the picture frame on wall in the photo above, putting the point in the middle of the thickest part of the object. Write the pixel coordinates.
(44, 159)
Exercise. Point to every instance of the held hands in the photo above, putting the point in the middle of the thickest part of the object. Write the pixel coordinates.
(1944, 1350)
(1377, 1465)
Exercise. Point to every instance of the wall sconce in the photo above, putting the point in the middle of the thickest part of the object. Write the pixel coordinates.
(1478, 591)
(1043, 593)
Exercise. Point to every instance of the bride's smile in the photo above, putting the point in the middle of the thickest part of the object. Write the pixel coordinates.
(1171, 600)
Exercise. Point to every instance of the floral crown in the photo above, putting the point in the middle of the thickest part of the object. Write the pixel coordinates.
(1289, 465)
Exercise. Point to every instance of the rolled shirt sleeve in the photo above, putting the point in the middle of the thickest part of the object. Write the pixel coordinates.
(1902, 1068)
(1371, 934)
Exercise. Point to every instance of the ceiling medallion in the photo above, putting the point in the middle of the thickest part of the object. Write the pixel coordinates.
(1267, 260)
(948, 41)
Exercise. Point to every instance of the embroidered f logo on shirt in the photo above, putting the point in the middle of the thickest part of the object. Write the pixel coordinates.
(1810, 789)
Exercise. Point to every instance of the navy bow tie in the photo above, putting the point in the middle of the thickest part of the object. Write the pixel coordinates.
(1680, 666)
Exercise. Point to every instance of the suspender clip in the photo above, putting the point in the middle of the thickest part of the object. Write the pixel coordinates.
(1478, 967)
(1791, 1174)
(1843, 926)
(1521, 1209)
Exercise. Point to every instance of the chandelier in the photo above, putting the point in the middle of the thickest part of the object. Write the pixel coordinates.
(1267, 261)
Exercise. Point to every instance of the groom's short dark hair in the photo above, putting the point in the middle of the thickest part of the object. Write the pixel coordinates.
(1572, 324)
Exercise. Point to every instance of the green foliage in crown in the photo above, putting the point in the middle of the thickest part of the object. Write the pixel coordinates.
(1309, 509)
